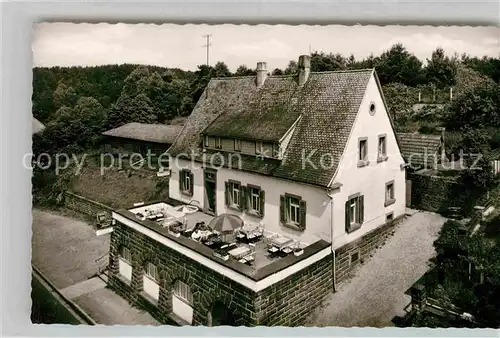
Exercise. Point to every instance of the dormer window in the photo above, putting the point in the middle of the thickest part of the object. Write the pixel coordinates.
(218, 143)
(237, 145)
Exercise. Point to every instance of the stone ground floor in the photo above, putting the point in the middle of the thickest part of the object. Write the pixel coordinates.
(68, 253)
(375, 294)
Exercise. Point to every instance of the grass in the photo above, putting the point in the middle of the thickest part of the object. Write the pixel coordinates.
(119, 189)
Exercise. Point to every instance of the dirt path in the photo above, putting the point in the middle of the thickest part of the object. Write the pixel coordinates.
(375, 295)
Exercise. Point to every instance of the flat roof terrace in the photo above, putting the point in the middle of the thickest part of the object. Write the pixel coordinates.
(264, 265)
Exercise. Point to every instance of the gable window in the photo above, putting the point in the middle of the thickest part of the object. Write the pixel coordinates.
(293, 211)
(186, 182)
(125, 264)
(363, 152)
(150, 281)
(382, 148)
(237, 145)
(354, 212)
(218, 143)
(389, 193)
(182, 301)
(205, 141)
(234, 195)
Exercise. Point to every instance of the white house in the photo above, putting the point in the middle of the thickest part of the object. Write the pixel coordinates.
(312, 155)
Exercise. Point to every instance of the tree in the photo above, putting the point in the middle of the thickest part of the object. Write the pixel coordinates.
(470, 273)
(440, 70)
(243, 70)
(477, 108)
(64, 96)
(292, 68)
(277, 71)
(136, 109)
(479, 175)
(321, 62)
(398, 65)
(221, 70)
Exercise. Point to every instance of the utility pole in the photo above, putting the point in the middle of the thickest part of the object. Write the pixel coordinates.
(207, 46)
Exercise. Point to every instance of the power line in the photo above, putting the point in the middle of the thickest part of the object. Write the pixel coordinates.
(207, 46)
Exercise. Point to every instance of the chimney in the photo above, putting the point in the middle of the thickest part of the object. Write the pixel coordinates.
(304, 69)
(261, 73)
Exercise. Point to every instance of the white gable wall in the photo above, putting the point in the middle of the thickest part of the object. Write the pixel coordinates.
(318, 203)
(369, 180)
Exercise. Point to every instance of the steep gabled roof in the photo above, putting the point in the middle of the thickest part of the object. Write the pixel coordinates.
(328, 103)
(36, 126)
(158, 133)
(416, 147)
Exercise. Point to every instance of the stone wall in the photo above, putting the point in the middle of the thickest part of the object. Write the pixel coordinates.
(286, 302)
(84, 205)
(289, 302)
(435, 193)
(363, 247)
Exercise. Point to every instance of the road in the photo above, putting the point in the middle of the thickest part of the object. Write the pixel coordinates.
(375, 294)
(69, 254)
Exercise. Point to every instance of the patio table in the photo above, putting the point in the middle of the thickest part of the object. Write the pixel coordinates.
(240, 252)
(273, 249)
(281, 242)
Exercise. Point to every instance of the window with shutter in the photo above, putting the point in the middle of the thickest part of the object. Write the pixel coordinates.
(303, 212)
(282, 209)
(294, 212)
(234, 195)
(227, 194)
(354, 212)
(262, 203)
(254, 200)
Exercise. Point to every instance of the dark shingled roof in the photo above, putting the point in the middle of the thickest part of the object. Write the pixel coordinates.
(36, 126)
(235, 107)
(416, 146)
(158, 133)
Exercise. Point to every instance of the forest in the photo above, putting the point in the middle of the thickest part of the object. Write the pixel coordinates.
(78, 103)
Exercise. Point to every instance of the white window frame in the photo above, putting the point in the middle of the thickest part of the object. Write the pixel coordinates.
(218, 143)
(390, 193)
(363, 150)
(255, 197)
(353, 210)
(382, 146)
(186, 180)
(235, 188)
(293, 209)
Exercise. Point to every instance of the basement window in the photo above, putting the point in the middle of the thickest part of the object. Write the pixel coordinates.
(389, 217)
(125, 264)
(150, 281)
(354, 257)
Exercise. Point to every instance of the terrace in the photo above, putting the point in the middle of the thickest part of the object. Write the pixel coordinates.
(247, 248)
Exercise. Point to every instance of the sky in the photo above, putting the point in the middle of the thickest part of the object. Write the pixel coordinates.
(181, 46)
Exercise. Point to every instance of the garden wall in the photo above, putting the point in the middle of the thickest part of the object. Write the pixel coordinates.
(435, 193)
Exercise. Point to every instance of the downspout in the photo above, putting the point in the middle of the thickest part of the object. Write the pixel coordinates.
(329, 193)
